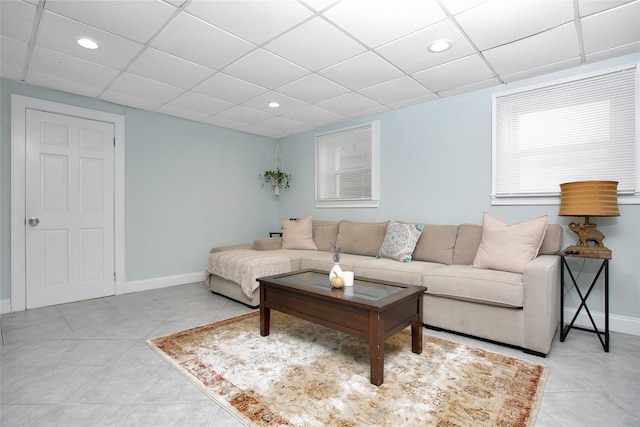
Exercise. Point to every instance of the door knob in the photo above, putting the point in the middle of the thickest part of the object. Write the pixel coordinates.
(33, 221)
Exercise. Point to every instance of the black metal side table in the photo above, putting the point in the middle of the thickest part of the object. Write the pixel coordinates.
(603, 336)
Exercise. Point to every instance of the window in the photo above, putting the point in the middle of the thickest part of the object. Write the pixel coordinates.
(573, 130)
(347, 167)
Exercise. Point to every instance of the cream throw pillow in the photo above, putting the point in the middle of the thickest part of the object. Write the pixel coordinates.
(298, 234)
(509, 247)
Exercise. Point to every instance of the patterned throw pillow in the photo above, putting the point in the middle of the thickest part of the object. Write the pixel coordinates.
(400, 241)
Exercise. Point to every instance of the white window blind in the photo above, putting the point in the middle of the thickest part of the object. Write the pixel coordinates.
(346, 167)
(583, 129)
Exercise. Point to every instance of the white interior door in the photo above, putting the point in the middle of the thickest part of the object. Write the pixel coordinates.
(69, 183)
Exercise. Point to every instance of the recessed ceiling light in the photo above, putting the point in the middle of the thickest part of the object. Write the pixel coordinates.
(439, 45)
(87, 43)
(274, 104)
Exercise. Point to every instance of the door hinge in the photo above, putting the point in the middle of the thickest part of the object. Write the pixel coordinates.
(114, 276)
(114, 141)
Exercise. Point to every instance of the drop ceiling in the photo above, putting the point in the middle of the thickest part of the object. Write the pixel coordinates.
(323, 61)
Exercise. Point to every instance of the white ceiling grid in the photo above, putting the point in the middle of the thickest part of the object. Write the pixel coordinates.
(324, 61)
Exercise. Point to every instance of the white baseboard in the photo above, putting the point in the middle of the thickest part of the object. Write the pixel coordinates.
(622, 324)
(5, 306)
(162, 282)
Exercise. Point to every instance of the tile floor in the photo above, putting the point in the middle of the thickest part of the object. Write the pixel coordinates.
(86, 364)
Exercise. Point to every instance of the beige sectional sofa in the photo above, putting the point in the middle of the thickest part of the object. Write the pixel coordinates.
(517, 309)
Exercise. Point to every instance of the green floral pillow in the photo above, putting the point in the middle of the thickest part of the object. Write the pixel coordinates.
(400, 241)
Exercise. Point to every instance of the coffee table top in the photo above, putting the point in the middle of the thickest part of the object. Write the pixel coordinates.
(370, 292)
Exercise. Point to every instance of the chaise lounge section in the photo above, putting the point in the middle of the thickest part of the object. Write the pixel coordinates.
(464, 292)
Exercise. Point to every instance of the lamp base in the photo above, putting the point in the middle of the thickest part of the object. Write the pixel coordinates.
(588, 233)
(594, 250)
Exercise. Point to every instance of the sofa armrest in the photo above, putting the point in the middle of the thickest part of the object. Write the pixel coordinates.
(230, 247)
(541, 302)
(267, 244)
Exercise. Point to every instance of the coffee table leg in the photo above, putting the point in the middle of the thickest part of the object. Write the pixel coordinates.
(265, 314)
(376, 349)
(416, 337)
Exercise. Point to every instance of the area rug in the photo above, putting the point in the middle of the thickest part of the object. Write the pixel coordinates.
(304, 374)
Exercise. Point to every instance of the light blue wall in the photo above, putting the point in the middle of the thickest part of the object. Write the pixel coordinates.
(435, 167)
(189, 187)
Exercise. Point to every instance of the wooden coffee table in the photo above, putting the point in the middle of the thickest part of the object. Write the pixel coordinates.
(372, 309)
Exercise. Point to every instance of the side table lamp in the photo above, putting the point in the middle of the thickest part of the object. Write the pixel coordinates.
(588, 198)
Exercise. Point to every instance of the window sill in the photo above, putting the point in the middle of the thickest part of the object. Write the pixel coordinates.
(347, 203)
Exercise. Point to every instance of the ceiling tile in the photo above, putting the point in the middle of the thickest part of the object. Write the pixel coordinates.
(457, 6)
(169, 69)
(225, 123)
(282, 124)
(71, 68)
(16, 19)
(172, 110)
(224, 86)
(54, 82)
(201, 103)
(362, 71)
(145, 88)
(410, 53)
(124, 19)
(413, 101)
(497, 22)
(395, 91)
(257, 130)
(335, 59)
(589, 7)
(245, 115)
(256, 21)
(543, 69)
(13, 51)
(315, 116)
(362, 113)
(348, 104)
(60, 34)
(470, 87)
(319, 4)
(265, 69)
(461, 72)
(556, 45)
(129, 100)
(613, 52)
(626, 21)
(195, 40)
(176, 3)
(312, 89)
(11, 71)
(307, 44)
(368, 20)
(287, 103)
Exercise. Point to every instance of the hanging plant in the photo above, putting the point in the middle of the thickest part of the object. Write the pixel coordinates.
(277, 178)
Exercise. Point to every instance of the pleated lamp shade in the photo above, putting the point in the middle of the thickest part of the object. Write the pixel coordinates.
(589, 198)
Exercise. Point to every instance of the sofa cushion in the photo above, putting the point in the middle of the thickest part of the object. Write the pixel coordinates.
(509, 247)
(467, 243)
(552, 241)
(400, 241)
(393, 271)
(464, 282)
(324, 261)
(297, 234)
(324, 233)
(436, 244)
(361, 238)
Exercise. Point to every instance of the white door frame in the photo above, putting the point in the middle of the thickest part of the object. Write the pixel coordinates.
(19, 105)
